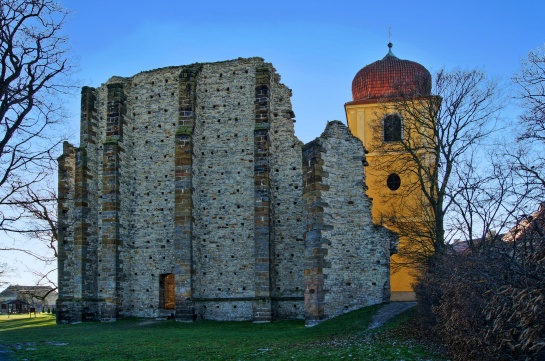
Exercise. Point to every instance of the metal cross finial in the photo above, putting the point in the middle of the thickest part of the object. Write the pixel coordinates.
(390, 34)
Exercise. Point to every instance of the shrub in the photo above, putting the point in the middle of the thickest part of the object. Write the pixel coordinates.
(517, 310)
(487, 303)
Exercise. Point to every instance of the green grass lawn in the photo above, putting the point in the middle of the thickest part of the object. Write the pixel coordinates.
(343, 338)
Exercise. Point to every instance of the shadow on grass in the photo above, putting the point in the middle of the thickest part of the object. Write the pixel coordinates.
(24, 321)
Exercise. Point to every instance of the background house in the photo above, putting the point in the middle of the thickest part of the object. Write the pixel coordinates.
(21, 298)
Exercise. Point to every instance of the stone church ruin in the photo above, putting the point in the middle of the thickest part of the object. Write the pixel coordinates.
(191, 197)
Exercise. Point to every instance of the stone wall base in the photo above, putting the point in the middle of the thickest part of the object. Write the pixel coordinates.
(108, 312)
(68, 311)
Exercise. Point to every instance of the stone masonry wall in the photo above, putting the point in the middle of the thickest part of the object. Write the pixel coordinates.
(347, 256)
(90, 156)
(148, 189)
(169, 179)
(67, 307)
(223, 180)
(288, 223)
(185, 199)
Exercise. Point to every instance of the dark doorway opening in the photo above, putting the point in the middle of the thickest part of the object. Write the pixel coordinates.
(167, 294)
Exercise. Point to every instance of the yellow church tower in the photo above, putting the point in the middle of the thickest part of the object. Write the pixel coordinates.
(381, 93)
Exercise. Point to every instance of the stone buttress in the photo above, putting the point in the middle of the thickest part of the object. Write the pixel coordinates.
(183, 203)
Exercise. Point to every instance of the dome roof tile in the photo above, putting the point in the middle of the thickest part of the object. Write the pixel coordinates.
(391, 77)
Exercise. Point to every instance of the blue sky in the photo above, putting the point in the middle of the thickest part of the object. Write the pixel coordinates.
(316, 46)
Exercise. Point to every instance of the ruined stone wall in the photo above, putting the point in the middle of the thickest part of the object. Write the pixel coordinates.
(78, 219)
(347, 256)
(243, 127)
(186, 199)
(176, 179)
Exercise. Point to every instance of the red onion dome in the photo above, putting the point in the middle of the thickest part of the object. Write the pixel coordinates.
(391, 77)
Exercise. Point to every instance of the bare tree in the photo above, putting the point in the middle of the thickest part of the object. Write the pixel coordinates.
(4, 271)
(491, 196)
(531, 87)
(38, 224)
(33, 72)
(442, 133)
(487, 296)
(528, 158)
(41, 214)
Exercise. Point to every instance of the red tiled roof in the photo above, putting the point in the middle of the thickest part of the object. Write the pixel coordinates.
(391, 77)
(530, 228)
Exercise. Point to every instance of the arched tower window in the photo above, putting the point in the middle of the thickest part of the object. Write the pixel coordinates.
(392, 128)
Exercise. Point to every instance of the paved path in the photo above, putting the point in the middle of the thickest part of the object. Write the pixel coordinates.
(389, 311)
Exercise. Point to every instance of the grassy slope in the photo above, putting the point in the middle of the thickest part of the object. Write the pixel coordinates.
(344, 337)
